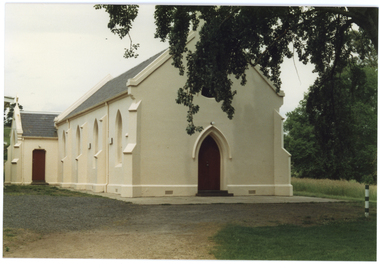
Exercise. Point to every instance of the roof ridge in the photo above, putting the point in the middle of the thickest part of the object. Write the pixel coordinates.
(142, 63)
(40, 112)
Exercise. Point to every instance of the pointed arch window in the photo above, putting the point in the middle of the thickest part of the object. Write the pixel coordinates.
(119, 131)
(64, 144)
(78, 142)
(96, 137)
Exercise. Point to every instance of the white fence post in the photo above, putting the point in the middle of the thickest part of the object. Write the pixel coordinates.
(366, 201)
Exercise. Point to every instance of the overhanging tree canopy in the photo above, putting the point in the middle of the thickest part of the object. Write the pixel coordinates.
(232, 38)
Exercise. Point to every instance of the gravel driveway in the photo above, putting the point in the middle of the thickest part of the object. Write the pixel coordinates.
(53, 214)
(101, 227)
(61, 213)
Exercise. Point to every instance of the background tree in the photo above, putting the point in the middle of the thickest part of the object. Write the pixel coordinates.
(8, 117)
(300, 141)
(8, 114)
(333, 132)
(232, 38)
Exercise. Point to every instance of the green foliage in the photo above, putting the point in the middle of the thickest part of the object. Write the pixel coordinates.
(9, 116)
(341, 241)
(121, 18)
(343, 112)
(7, 131)
(7, 139)
(333, 132)
(301, 142)
(233, 38)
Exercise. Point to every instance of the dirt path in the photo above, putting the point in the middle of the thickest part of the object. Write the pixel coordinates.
(162, 232)
(112, 244)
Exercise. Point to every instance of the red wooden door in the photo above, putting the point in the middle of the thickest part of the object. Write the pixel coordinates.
(38, 168)
(209, 165)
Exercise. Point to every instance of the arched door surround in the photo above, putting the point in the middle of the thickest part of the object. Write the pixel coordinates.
(219, 138)
(224, 151)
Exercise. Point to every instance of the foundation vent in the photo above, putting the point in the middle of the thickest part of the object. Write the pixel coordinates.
(168, 192)
(251, 191)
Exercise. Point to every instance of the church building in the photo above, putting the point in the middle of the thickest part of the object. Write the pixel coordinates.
(127, 136)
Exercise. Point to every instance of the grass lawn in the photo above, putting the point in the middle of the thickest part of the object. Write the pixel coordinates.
(342, 241)
(340, 189)
(337, 241)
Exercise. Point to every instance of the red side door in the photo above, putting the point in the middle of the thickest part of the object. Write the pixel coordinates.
(38, 168)
(209, 165)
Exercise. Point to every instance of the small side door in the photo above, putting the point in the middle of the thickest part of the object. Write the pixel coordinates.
(38, 168)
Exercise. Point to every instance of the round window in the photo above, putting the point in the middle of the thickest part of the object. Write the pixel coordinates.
(206, 92)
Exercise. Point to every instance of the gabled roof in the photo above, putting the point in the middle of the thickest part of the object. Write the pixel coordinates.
(38, 124)
(112, 88)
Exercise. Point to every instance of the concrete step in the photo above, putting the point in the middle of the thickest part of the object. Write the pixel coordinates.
(213, 193)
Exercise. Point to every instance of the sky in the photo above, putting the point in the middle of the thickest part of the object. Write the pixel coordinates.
(55, 53)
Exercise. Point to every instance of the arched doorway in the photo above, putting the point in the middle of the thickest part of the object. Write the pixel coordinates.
(213, 151)
(209, 166)
(38, 167)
